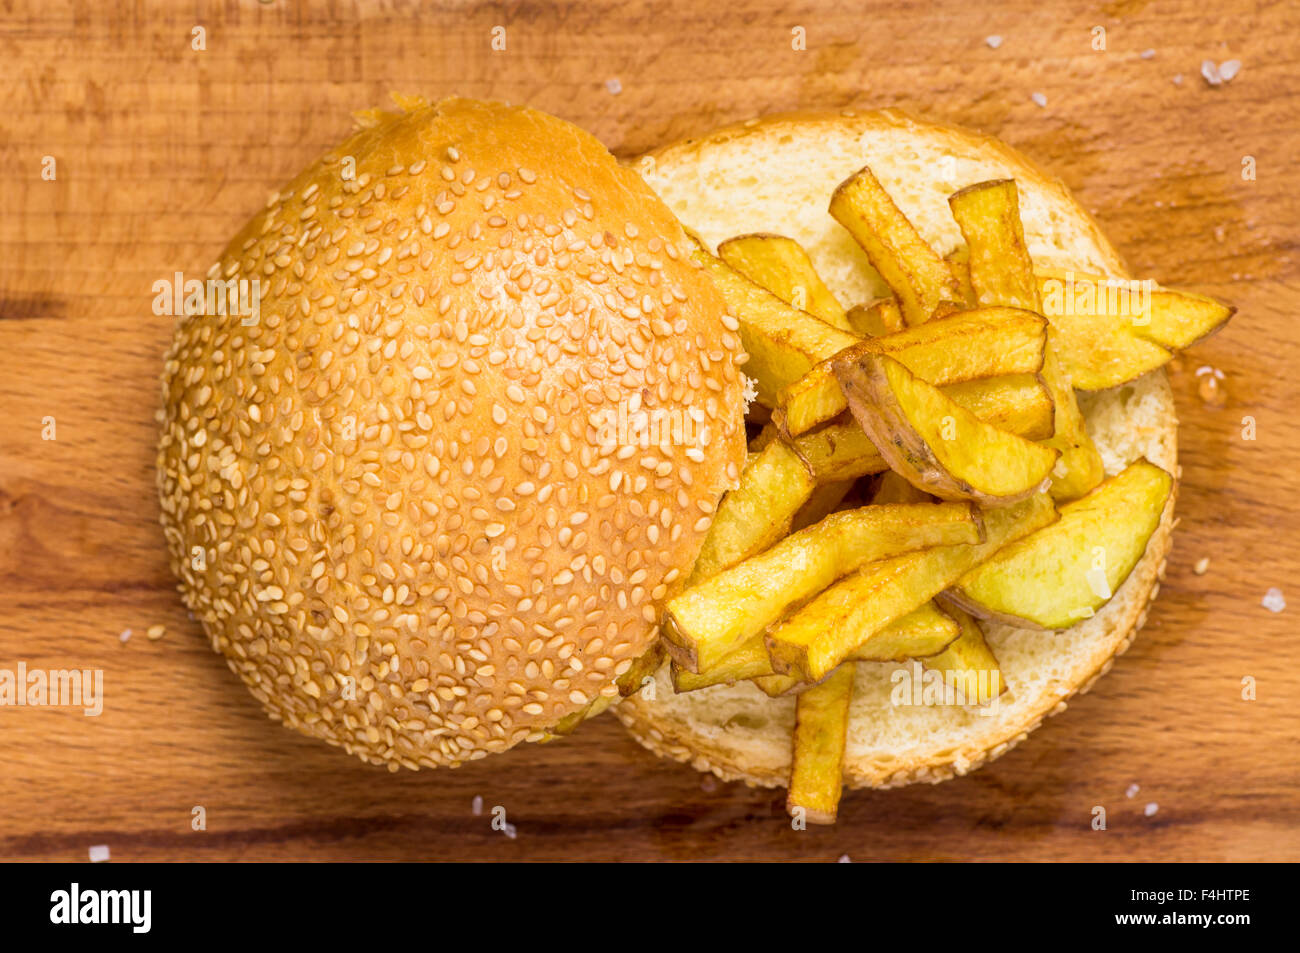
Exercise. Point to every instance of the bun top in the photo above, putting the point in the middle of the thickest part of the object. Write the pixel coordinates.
(427, 496)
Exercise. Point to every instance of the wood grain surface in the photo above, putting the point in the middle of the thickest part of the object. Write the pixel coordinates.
(162, 152)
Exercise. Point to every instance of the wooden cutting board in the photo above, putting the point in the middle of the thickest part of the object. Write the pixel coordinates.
(161, 151)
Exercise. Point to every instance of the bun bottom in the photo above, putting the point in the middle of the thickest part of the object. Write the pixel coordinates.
(776, 175)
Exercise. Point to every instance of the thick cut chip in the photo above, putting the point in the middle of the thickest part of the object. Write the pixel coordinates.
(1064, 573)
(919, 278)
(642, 670)
(1020, 403)
(773, 486)
(964, 346)
(1001, 271)
(821, 729)
(876, 319)
(825, 500)
(968, 663)
(748, 661)
(1108, 331)
(709, 620)
(937, 445)
(1080, 467)
(839, 451)
(783, 343)
(922, 632)
(829, 628)
(782, 266)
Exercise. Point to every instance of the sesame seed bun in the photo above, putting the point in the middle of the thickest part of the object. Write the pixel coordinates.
(777, 175)
(403, 499)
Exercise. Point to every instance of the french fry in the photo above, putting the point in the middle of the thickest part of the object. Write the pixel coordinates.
(968, 663)
(1019, 403)
(774, 485)
(1110, 331)
(894, 489)
(570, 722)
(876, 319)
(821, 727)
(998, 262)
(841, 450)
(1001, 273)
(959, 263)
(830, 627)
(925, 631)
(1063, 573)
(919, 278)
(964, 346)
(936, 445)
(783, 343)
(782, 266)
(707, 621)
(1080, 467)
(643, 668)
(824, 501)
(747, 661)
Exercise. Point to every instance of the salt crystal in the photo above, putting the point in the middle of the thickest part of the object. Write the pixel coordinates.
(1273, 600)
(1039, 99)
(844, 859)
(510, 831)
(1148, 54)
(1132, 790)
(99, 853)
(993, 41)
(1210, 70)
(126, 634)
(1150, 809)
(1228, 69)
(476, 805)
(614, 86)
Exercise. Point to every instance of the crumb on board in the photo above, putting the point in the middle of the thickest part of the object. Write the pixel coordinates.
(156, 632)
(1201, 566)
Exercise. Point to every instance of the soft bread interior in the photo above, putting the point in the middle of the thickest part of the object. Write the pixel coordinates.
(777, 175)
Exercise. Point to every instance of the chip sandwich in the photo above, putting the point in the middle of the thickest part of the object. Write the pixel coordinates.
(930, 321)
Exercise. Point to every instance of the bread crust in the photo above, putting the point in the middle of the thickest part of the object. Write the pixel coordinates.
(417, 500)
(675, 735)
